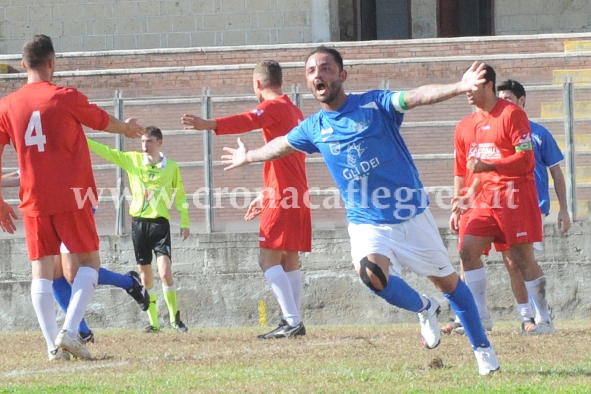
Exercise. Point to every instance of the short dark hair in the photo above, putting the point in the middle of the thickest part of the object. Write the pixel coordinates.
(513, 86)
(38, 51)
(329, 51)
(154, 132)
(271, 72)
(490, 75)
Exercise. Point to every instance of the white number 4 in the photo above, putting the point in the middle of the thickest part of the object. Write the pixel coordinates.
(38, 138)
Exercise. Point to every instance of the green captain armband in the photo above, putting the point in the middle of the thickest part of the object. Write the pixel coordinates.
(524, 146)
(398, 102)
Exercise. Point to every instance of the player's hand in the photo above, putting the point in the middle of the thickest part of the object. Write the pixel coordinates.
(254, 208)
(7, 213)
(236, 157)
(185, 233)
(461, 205)
(193, 122)
(133, 130)
(564, 222)
(454, 222)
(473, 77)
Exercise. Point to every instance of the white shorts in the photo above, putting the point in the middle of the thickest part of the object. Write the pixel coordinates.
(414, 243)
(63, 248)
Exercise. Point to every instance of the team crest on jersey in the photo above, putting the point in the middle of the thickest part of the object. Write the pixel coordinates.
(335, 148)
(354, 152)
(257, 112)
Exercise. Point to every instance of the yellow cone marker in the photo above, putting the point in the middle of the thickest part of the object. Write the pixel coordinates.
(262, 313)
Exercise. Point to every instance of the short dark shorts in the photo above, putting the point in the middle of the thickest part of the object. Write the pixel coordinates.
(150, 235)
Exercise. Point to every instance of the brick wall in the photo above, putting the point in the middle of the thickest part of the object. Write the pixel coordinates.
(368, 67)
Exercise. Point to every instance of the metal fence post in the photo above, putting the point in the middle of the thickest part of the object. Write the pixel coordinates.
(569, 138)
(296, 96)
(207, 161)
(119, 145)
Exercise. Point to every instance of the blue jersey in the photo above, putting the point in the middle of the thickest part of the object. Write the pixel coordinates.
(367, 157)
(547, 154)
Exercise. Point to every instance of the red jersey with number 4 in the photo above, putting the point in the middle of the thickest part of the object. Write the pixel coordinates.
(44, 123)
(276, 117)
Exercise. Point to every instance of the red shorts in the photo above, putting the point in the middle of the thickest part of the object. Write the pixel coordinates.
(76, 229)
(286, 228)
(512, 218)
(499, 246)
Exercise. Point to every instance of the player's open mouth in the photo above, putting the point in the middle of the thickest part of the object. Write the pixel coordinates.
(320, 87)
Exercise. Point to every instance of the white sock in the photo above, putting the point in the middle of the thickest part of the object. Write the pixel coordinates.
(44, 305)
(279, 283)
(476, 282)
(82, 290)
(537, 292)
(169, 288)
(295, 280)
(525, 312)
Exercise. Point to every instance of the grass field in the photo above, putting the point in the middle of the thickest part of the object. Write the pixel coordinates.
(329, 359)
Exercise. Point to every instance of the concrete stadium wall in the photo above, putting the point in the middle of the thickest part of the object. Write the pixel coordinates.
(541, 16)
(220, 284)
(99, 25)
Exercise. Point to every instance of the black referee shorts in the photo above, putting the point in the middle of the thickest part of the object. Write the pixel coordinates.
(150, 235)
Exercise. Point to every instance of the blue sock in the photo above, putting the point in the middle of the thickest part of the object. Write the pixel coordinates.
(400, 294)
(62, 291)
(107, 277)
(462, 302)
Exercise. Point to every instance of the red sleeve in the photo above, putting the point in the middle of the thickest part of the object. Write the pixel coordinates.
(459, 153)
(258, 118)
(89, 115)
(522, 162)
(4, 136)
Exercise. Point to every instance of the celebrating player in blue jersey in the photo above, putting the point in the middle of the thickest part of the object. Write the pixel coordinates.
(389, 223)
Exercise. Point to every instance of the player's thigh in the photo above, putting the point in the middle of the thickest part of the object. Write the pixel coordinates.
(269, 258)
(70, 265)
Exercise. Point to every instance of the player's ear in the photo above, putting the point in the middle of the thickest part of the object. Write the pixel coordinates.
(343, 75)
(23, 65)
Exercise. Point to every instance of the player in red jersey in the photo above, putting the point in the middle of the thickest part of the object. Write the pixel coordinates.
(506, 209)
(44, 123)
(285, 226)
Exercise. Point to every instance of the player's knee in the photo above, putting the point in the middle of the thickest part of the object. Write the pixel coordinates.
(372, 275)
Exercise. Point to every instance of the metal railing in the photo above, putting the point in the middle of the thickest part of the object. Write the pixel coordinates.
(206, 102)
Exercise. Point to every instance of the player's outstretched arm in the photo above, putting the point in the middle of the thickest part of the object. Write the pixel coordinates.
(431, 94)
(129, 128)
(274, 149)
(193, 122)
